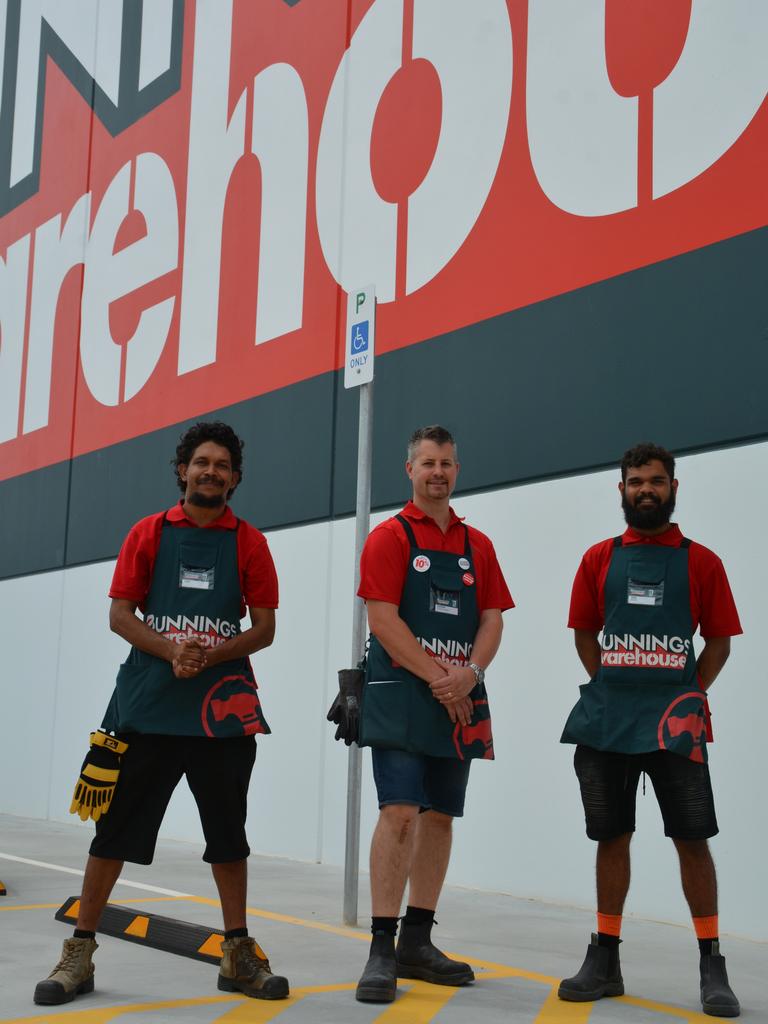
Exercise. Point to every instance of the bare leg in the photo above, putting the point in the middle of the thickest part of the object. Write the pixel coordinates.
(613, 872)
(391, 848)
(697, 871)
(429, 862)
(101, 873)
(232, 882)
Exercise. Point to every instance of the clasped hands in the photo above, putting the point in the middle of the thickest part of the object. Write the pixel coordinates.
(452, 689)
(190, 658)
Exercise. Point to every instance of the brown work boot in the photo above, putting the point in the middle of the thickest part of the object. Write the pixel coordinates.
(72, 976)
(244, 968)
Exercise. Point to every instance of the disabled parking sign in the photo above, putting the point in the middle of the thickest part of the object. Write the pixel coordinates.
(361, 328)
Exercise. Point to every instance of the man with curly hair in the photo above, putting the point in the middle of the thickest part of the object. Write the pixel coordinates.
(185, 704)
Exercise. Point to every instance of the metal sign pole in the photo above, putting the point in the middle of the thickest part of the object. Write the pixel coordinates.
(354, 764)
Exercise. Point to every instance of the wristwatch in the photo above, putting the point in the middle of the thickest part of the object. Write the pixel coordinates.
(479, 672)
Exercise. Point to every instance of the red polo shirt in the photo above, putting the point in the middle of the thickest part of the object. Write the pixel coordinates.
(384, 562)
(135, 563)
(712, 604)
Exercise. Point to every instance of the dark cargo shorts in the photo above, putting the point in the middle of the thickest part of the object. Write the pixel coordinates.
(218, 772)
(608, 784)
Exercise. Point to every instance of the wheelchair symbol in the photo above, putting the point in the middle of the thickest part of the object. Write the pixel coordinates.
(360, 337)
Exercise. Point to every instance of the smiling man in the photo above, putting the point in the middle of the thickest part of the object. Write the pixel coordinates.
(185, 704)
(435, 596)
(645, 710)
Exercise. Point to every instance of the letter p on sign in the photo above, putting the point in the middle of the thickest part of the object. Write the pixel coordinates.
(361, 332)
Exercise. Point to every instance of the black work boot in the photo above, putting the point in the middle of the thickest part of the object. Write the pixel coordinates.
(244, 968)
(378, 982)
(717, 997)
(599, 975)
(418, 958)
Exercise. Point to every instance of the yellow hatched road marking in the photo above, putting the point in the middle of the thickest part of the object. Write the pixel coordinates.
(414, 1005)
(555, 1011)
(107, 1014)
(419, 1005)
(691, 1016)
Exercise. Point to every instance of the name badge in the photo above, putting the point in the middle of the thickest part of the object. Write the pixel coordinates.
(194, 578)
(446, 602)
(645, 593)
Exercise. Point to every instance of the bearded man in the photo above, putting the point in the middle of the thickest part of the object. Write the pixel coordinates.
(645, 710)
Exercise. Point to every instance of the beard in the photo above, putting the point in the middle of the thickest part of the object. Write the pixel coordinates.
(207, 500)
(650, 518)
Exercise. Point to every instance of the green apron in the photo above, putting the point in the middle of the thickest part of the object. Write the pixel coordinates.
(645, 695)
(439, 606)
(196, 592)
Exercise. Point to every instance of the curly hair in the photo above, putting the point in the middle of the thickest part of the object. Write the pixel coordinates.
(216, 431)
(644, 453)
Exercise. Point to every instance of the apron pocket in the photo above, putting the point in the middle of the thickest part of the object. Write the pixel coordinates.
(132, 690)
(384, 721)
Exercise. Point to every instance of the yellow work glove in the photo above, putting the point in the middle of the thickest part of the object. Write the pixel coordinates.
(98, 776)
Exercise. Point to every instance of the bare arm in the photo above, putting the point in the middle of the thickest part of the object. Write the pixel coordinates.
(712, 658)
(260, 634)
(400, 643)
(124, 621)
(459, 680)
(588, 649)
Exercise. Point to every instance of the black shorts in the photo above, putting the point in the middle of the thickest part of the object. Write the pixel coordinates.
(608, 784)
(218, 772)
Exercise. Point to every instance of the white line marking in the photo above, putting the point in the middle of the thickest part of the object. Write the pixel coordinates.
(77, 871)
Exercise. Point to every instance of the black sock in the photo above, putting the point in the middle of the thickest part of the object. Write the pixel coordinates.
(609, 941)
(418, 915)
(236, 933)
(81, 933)
(705, 946)
(384, 924)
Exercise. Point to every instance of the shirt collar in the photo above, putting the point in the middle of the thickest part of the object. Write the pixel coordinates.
(671, 538)
(412, 511)
(226, 521)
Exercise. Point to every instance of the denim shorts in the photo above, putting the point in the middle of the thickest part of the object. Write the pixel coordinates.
(608, 784)
(432, 783)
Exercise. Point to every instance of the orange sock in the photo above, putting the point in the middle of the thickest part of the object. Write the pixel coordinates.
(610, 924)
(706, 927)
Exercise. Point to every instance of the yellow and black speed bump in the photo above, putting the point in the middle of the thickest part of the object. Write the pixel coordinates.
(165, 933)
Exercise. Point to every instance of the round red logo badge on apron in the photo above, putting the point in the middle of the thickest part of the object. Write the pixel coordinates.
(468, 578)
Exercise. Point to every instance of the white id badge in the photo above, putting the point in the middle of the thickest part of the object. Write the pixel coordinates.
(444, 601)
(645, 593)
(195, 578)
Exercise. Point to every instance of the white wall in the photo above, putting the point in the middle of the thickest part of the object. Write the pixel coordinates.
(523, 831)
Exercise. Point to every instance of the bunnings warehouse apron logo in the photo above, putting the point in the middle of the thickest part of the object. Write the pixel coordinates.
(682, 727)
(170, 202)
(233, 697)
(452, 651)
(208, 632)
(645, 650)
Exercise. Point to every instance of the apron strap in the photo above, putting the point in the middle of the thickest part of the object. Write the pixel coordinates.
(412, 539)
(408, 531)
(684, 543)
